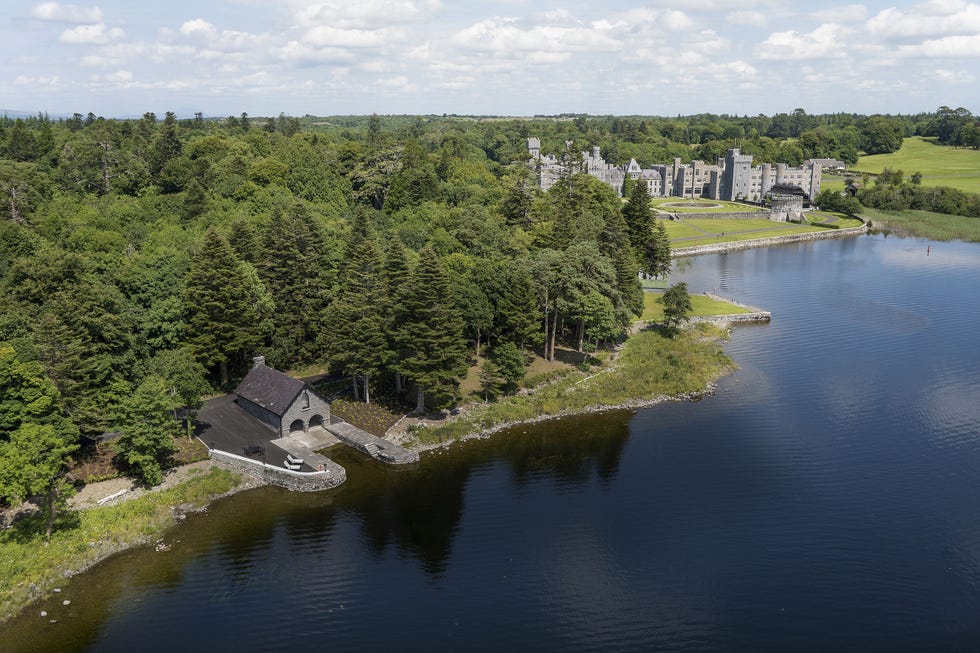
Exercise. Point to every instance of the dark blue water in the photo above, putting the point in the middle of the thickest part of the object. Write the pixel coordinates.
(828, 497)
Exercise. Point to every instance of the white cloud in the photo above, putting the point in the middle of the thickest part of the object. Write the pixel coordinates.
(27, 80)
(825, 42)
(645, 18)
(56, 11)
(302, 53)
(505, 36)
(954, 76)
(367, 13)
(197, 26)
(954, 47)
(118, 77)
(931, 19)
(747, 17)
(327, 36)
(90, 34)
(844, 14)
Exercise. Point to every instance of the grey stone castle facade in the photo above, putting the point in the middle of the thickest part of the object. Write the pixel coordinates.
(732, 178)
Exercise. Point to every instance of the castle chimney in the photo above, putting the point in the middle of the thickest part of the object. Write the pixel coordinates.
(258, 360)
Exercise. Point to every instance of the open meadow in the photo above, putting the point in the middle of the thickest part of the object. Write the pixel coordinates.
(940, 165)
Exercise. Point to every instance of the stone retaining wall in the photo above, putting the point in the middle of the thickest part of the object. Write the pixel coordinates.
(760, 316)
(280, 476)
(717, 248)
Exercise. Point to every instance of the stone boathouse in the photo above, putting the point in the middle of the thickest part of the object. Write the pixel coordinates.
(285, 404)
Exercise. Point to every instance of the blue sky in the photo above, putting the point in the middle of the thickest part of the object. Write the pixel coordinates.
(510, 57)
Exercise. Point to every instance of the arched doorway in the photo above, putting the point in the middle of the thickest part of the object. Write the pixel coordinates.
(316, 420)
(296, 426)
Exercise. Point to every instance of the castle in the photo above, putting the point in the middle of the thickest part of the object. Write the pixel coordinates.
(732, 178)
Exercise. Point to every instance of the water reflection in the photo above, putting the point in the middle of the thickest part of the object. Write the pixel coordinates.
(252, 538)
(825, 498)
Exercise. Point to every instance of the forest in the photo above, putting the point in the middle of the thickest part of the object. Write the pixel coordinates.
(144, 261)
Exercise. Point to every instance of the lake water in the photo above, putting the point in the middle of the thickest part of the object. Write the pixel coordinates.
(828, 497)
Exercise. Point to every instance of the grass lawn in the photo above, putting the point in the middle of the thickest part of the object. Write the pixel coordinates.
(833, 182)
(937, 226)
(655, 284)
(940, 165)
(708, 231)
(684, 205)
(653, 310)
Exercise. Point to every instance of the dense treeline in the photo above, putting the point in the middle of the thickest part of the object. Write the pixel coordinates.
(891, 191)
(143, 262)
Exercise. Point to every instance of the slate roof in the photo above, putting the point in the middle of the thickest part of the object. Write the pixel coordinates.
(270, 389)
(787, 189)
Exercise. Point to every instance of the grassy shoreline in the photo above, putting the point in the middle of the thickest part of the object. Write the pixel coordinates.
(926, 224)
(651, 368)
(31, 568)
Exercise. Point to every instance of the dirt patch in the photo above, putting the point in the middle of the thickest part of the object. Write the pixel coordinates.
(91, 493)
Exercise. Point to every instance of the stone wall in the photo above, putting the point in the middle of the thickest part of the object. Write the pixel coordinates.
(258, 412)
(307, 406)
(734, 318)
(717, 248)
(280, 476)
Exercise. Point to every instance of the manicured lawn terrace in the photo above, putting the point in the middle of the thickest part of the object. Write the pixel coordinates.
(703, 306)
(682, 205)
(940, 165)
(707, 231)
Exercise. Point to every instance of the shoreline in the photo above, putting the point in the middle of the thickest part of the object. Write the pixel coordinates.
(112, 543)
(108, 546)
(402, 436)
(631, 405)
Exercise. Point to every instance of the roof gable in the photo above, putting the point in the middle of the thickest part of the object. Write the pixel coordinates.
(270, 389)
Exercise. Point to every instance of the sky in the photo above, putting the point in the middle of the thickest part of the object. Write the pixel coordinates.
(120, 58)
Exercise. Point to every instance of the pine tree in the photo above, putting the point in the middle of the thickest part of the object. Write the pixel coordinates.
(223, 322)
(436, 355)
(292, 271)
(398, 281)
(656, 260)
(355, 337)
(639, 219)
(615, 245)
(244, 239)
(518, 315)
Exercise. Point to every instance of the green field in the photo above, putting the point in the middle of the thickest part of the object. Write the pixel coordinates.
(691, 232)
(703, 306)
(833, 182)
(684, 205)
(926, 224)
(940, 165)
